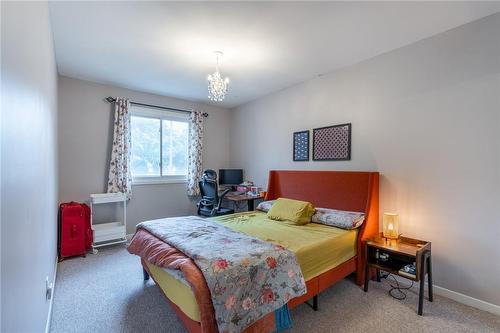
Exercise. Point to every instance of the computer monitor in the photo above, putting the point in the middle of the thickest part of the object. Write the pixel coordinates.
(230, 176)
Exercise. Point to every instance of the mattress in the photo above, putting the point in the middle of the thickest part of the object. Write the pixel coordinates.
(318, 248)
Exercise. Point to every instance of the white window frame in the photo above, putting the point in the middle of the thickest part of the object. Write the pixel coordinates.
(150, 112)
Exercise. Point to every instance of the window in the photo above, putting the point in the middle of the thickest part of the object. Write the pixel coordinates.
(159, 145)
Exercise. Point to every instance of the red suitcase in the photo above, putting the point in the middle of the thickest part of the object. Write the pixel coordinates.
(75, 233)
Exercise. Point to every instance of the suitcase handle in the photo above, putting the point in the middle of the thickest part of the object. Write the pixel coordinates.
(73, 230)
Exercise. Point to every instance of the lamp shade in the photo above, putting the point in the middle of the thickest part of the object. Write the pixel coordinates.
(390, 225)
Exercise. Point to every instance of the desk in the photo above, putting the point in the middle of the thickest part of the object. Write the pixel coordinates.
(250, 199)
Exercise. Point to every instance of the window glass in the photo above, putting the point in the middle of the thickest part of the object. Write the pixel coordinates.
(159, 146)
(145, 146)
(174, 147)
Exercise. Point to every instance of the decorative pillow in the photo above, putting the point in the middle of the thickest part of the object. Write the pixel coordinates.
(295, 211)
(338, 218)
(265, 205)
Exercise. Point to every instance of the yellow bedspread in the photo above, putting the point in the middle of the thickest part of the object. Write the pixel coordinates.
(318, 248)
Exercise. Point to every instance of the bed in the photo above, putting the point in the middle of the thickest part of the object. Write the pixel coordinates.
(325, 254)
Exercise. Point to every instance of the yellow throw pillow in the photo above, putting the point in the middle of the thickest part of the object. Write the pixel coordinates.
(295, 211)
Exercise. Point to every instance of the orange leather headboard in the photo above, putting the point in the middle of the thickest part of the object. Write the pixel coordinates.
(343, 190)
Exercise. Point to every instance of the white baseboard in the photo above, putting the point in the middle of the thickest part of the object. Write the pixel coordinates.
(51, 301)
(467, 300)
(458, 297)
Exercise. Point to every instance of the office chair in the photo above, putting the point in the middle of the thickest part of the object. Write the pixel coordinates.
(210, 203)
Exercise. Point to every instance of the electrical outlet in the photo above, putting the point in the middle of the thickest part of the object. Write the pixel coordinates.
(48, 288)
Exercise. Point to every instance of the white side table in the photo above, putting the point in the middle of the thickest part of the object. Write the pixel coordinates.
(108, 233)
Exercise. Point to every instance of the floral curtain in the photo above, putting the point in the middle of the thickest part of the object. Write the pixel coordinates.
(195, 167)
(120, 178)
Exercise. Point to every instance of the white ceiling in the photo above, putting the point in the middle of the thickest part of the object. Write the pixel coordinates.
(167, 47)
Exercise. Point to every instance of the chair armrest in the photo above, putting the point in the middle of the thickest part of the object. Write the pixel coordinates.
(221, 197)
(205, 202)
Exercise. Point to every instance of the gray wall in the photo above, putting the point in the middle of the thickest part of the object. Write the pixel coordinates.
(85, 136)
(427, 117)
(29, 165)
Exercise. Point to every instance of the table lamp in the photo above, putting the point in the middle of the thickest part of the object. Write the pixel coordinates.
(390, 225)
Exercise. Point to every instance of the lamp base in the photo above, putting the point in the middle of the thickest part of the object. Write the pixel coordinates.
(387, 238)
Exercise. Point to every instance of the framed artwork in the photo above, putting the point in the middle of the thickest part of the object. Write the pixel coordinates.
(332, 143)
(301, 146)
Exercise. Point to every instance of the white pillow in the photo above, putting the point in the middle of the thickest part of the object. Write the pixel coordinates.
(338, 218)
(265, 205)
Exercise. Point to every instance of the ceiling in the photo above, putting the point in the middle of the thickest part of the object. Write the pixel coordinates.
(167, 47)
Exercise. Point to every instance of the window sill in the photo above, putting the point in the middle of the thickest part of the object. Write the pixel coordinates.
(157, 181)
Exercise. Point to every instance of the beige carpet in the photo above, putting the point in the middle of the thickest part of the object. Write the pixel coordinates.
(106, 293)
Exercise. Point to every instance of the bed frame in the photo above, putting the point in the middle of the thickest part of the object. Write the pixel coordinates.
(343, 190)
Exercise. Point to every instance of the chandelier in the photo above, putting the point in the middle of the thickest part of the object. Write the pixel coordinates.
(217, 87)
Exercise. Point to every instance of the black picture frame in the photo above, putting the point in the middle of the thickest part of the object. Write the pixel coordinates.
(296, 136)
(332, 146)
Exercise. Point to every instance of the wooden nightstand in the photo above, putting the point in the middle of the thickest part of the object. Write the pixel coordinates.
(399, 253)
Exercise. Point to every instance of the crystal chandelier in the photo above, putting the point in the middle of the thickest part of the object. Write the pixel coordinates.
(217, 87)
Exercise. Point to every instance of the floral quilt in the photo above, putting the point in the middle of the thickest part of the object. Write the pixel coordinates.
(247, 277)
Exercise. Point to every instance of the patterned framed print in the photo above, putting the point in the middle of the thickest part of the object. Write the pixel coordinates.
(332, 143)
(301, 146)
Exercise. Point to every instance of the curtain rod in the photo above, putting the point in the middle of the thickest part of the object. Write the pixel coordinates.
(112, 100)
